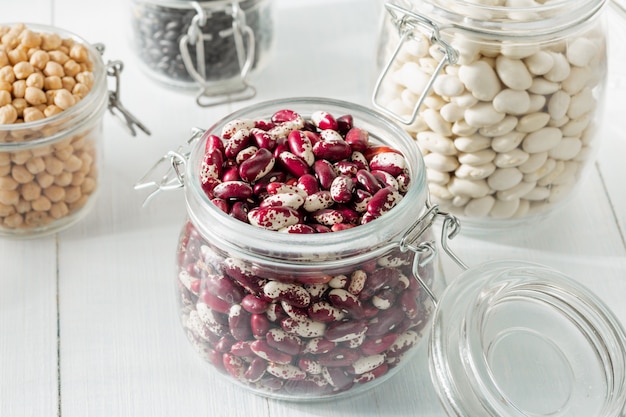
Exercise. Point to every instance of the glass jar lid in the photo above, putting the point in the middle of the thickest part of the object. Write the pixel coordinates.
(518, 339)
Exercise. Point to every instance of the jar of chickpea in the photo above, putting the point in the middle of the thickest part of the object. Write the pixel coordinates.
(53, 93)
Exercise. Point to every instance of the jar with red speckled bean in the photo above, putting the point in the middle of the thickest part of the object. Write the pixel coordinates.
(488, 88)
(316, 294)
(50, 128)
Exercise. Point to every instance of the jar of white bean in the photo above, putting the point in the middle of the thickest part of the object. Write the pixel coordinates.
(211, 47)
(53, 93)
(502, 97)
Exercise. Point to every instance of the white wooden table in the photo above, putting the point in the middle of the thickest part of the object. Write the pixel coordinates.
(88, 321)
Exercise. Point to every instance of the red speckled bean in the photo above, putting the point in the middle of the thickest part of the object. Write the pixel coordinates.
(273, 218)
(332, 149)
(358, 139)
(256, 166)
(233, 190)
(341, 189)
(283, 341)
(373, 346)
(300, 145)
(295, 165)
(292, 294)
(262, 349)
(383, 201)
(324, 120)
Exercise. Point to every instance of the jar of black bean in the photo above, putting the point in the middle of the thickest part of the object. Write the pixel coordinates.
(211, 46)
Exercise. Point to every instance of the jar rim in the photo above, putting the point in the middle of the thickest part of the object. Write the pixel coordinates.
(71, 119)
(293, 251)
(566, 345)
(498, 22)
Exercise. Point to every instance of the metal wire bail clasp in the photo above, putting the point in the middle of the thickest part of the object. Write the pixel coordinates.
(409, 24)
(426, 250)
(214, 93)
(115, 106)
(168, 173)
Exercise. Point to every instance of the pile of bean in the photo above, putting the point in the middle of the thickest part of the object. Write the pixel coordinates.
(42, 75)
(301, 176)
(507, 130)
(310, 337)
(301, 336)
(157, 31)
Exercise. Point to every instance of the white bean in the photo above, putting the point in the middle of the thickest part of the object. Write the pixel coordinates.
(472, 143)
(558, 104)
(480, 207)
(542, 140)
(581, 103)
(579, 77)
(512, 158)
(435, 142)
(508, 142)
(436, 123)
(513, 102)
(452, 112)
(560, 70)
(477, 158)
(534, 162)
(480, 79)
(513, 73)
(475, 172)
(440, 162)
(516, 192)
(448, 86)
(566, 149)
(504, 178)
(532, 122)
(468, 188)
(502, 128)
(539, 63)
(483, 114)
(581, 51)
(504, 209)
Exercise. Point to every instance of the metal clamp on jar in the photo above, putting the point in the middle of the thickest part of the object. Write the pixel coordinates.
(503, 100)
(212, 46)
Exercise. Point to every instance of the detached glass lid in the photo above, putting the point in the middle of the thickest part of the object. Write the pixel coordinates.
(519, 339)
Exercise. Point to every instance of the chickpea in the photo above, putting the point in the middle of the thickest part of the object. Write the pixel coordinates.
(89, 185)
(59, 210)
(79, 53)
(5, 170)
(54, 166)
(39, 59)
(8, 183)
(23, 69)
(10, 40)
(80, 90)
(80, 203)
(19, 89)
(86, 78)
(63, 179)
(52, 110)
(53, 68)
(29, 38)
(36, 79)
(31, 191)
(50, 41)
(7, 74)
(58, 56)
(36, 218)
(23, 206)
(6, 210)
(54, 193)
(9, 197)
(73, 164)
(72, 68)
(17, 55)
(77, 178)
(64, 99)
(8, 114)
(19, 104)
(72, 194)
(35, 165)
(13, 221)
(41, 204)
(45, 179)
(21, 174)
(68, 83)
(4, 59)
(5, 98)
(35, 96)
(32, 114)
(64, 152)
(6, 86)
(52, 82)
(21, 157)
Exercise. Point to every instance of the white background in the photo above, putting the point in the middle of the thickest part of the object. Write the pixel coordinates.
(88, 322)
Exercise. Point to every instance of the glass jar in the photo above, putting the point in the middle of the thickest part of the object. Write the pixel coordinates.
(210, 46)
(50, 158)
(308, 317)
(244, 289)
(503, 99)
